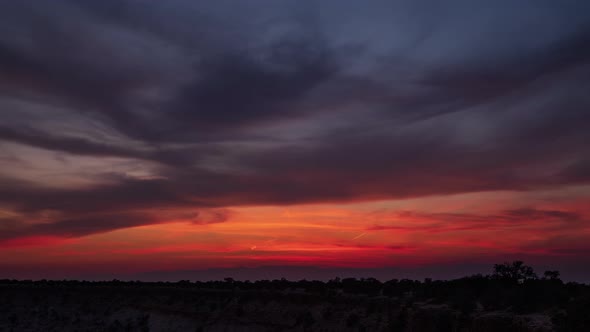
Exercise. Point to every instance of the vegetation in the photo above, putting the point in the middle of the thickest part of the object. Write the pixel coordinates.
(339, 304)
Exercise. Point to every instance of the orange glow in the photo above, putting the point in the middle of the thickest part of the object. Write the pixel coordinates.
(373, 234)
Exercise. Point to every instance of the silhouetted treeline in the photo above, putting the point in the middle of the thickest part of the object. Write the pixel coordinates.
(512, 287)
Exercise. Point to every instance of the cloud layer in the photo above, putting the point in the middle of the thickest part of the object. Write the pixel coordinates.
(115, 111)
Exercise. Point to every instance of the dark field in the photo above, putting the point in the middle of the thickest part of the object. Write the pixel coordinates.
(500, 302)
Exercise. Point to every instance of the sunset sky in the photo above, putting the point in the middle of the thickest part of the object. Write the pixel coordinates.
(390, 137)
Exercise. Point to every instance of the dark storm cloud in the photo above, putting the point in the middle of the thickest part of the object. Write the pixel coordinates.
(57, 52)
(101, 67)
(258, 103)
(460, 86)
(49, 141)
(181, 156)
(85, 225)
(234, 91)
(578, 172)
(98, 222)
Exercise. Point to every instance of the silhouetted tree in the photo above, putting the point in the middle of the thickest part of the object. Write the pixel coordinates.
(551, 275)
(515, 271)
(360, 304)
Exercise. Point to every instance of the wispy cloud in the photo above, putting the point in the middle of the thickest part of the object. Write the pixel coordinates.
(214, 105)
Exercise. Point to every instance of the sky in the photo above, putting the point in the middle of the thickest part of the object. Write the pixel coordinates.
(155, 138)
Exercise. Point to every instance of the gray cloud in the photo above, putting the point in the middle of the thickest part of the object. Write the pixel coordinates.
(258, 103)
